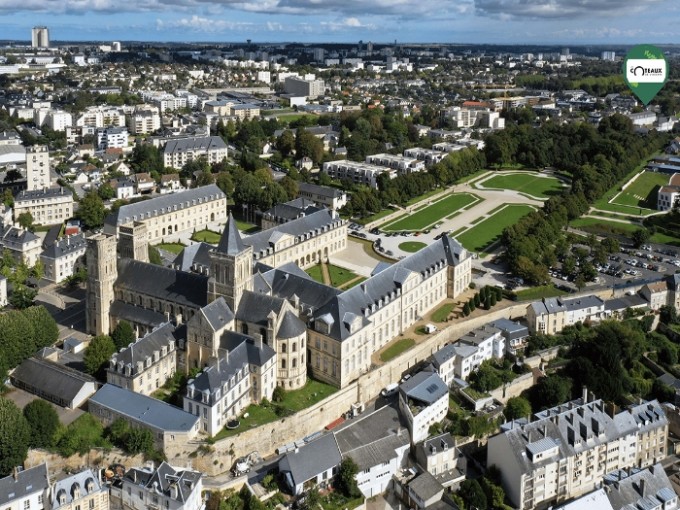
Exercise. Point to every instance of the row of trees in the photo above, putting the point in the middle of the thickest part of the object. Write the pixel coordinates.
(102, 347)
(22, 333)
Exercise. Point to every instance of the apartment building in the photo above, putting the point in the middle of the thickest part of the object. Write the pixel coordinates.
(144, 119)
(147, 364)
(172, 213)
(101, 116)
(112, 138)
(37, 167)
(402, 164)
(244, 111)
(358, 173)
(429, 156)
(568, 450)
(551, 315)
(61, 257)
(332, 198)
(23, 245)
(304, 87)
(48, 206)
(178, 152)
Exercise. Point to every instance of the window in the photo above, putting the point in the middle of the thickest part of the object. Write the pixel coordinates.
(27, 504)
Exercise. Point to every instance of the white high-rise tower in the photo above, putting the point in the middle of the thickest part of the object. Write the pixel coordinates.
(40, 37)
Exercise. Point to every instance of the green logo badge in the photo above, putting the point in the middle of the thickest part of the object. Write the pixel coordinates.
(645, 70)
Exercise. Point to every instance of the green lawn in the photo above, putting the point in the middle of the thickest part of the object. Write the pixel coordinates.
(431, 214)
(175, 248)
(412, 246)
(394, 350)
(641, 193)
(533, 185)
(604, 227)
(442, 313)
(488, 231)
(315, 272)
(206, 236)
(246, 227)
(375, 217)
(296, 400)
(535, 293)
(340, 275)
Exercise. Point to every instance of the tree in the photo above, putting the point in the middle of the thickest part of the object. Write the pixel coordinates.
(26, 220)
(97, 354)
(640, 237)
(106, 191)
(466, 309)
(138, 440)
(668, 314)
(43, 422)
(45, 329)
(15, 435)
(22, 296)
(550, 391)
(312, 500)
(285, 143)
(123, 335)
(345, 480)
(517, 407)
(91, 210)
(472, 494)
(204, 178)
(279, 394)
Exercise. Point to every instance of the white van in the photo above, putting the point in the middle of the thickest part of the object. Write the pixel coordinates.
(389, 390)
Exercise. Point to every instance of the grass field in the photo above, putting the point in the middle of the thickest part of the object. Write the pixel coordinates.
(641, 193)
(604, 227)
(482, 235)
(171, 247)
(394, 350)
(412, 246)
(533, 185)
(375, 217)
(431, 214)
(340, 275)
(315, 273)
(544, 291)
(206, 236)
(443, 312)
(246, 227)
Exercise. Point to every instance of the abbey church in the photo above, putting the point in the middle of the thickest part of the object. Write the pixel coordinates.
(245, 309)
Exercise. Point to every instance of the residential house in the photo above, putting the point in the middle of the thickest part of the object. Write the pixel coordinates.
(424, 401)
(656, 294)
(332, 198)
(166, 487)
(424, 491)
(440, 457)
(144, 183)
(82, 490)
(23, 245)
(314, 463)
(25, 489)
(514, 333)
(551, 315)
(170, 183)
(444, 363)
(379, 444)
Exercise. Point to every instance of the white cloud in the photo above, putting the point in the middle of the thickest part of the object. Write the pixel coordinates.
(566, 9)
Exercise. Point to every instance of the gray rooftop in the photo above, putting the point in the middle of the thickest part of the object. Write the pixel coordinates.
(163, 204)
(425, 486)
(27, 482)
(203, 143)
(426, 387)
(311, 459)
(218, 314)
(164, 478)
(51, 378)
(143, 409)
(65, 246)
(136, 314)
(86, 481)
(230, 242)
(325, 191)
(39, 194)
(144, 348)
(647, 489)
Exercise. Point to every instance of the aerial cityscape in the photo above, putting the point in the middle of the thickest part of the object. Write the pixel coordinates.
(286, 255)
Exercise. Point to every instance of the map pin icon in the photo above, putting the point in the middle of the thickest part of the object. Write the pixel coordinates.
(645, 70)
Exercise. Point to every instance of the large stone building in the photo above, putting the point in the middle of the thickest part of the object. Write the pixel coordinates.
(254, 286)
(168, 214)
(61, 258)
(37, 167)
(80, 491)
(568, 449)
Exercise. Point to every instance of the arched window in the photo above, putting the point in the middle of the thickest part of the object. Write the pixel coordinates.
(283, 348)
(283, 364)
(294, 346)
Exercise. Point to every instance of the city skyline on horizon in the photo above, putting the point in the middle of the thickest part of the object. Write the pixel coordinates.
(530, 22)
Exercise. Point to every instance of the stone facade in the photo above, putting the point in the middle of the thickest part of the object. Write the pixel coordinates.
(101, 275)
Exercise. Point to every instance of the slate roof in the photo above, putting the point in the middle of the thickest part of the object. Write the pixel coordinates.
(372, 439)
(291, 326)
(182, 288)
(38, 194)
(230, 242)
(144, 347)
(163, 204)
(218, 314)
(443, 355)
(204, 143)
(64, 488)
(425, 387)
(511, 330)
(15, 236)
(223, 376)
(65, 246)
(51, 378)
(289, 280)
(197, 254)
(29, 481)
(363, 300)
(163, 478)
(291, 210)
(628, 490)
(136, 314)
(619, 304)
(143, 409)
(307, 224)
(425, 486)
(311, 459)
(255, 308)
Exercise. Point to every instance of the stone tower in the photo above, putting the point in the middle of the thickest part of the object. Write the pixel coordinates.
(231, 267)
(102, 271)
(37, 167)
(133, 241)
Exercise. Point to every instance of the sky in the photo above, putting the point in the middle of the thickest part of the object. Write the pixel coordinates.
(562, 22)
